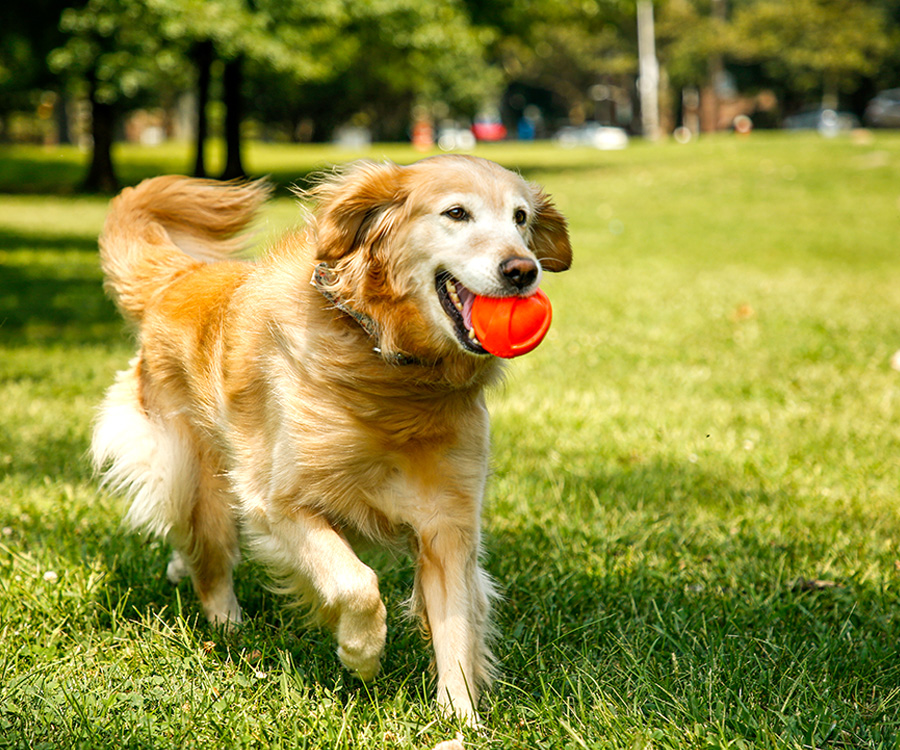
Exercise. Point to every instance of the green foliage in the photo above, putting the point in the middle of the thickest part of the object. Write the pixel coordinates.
(567, 47)
(112, 47)
(429, 49)
(299, 39)
(407, 51)
(339, 51)
(693, 512)
(815, 43)
(688, 35)
(321, 62)
(823, 46)
(26, 38)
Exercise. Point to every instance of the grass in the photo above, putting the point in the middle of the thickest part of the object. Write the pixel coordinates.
(693, 514)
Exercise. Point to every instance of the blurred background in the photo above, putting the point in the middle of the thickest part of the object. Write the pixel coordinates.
(440, 74)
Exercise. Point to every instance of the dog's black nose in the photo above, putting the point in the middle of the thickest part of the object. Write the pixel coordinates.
(520, 272)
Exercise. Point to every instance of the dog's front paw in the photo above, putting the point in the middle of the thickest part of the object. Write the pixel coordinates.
(460, 707)
(361, 637)
(364, 666)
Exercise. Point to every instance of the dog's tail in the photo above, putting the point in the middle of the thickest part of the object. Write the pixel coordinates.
(165, 226)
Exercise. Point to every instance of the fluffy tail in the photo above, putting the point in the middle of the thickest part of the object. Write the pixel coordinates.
(168, 225)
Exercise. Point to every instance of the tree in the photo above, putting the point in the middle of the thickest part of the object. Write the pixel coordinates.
(114, 59)
(25, 41)
(569, 49)
(823, 45)
(385, 57)
(694, 39)
(690, 34)
(201, 56)
(119, 53)
(251, 38)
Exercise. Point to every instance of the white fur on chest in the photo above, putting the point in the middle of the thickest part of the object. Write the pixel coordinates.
(357, 484)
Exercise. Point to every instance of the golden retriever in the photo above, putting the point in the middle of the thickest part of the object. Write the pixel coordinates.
(326, 394)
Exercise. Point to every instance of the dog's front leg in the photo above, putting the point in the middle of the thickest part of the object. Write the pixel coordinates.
(455, 593)
(317, 564)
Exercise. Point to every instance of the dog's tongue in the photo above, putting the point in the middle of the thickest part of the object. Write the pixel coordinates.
(511, 326)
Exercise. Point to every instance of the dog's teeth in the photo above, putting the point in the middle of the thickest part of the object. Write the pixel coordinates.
(472, 334)
(454, 295)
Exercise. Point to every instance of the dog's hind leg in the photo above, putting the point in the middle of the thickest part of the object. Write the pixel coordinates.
(314, 562)
(174, 493)
(206, 547)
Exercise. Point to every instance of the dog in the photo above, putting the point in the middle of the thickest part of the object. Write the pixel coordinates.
(325, 394)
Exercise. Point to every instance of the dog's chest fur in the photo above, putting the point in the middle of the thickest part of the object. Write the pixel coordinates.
(371, 462)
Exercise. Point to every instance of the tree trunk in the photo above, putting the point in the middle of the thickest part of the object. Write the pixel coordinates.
(61, 110)
(203, 57)
(232, 81)
(101, 176)
(649, 71)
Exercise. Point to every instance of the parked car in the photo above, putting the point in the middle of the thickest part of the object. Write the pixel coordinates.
(601, 137)
(452, 137)
(884, 110)
(827, 121)
(488, 129)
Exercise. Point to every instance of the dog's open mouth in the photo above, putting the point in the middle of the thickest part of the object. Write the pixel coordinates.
(457, 303)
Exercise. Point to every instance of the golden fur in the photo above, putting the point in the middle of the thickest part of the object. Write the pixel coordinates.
(258, 402)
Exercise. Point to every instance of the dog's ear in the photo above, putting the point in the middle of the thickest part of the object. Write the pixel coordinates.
(550, 235)
(354, 207)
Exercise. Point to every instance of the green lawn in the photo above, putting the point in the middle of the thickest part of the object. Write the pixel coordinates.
(694, 508)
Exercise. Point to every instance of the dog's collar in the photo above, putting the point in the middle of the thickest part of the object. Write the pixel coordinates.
(323, 279)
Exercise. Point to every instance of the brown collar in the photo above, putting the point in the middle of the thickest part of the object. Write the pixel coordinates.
(323, 280)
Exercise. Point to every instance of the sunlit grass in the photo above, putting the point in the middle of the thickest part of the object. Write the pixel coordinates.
(693, 513)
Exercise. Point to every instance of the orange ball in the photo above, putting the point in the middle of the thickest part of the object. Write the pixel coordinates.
(511, 326)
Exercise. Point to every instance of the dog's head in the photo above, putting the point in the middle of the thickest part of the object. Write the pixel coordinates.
(410, 247)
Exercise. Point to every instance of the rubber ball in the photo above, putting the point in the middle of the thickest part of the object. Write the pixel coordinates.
(511, 326)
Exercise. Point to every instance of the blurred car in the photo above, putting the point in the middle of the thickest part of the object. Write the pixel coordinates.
(453, 138)
(488, 129)
(601, 137)
(884, 110)
(827, 121)
(352, 137)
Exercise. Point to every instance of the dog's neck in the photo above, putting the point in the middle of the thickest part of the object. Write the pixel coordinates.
(323, 279)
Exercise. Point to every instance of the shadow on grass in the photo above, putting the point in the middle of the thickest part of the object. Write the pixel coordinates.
(60, 174)
(657, 615)
(62, 302)
(728, 628)
(41, 174)
(666, 629)
(30, 171)
(286, 182)
(12, 240)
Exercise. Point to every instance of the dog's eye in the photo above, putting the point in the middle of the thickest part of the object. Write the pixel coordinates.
(520, 217)
(457, 213)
